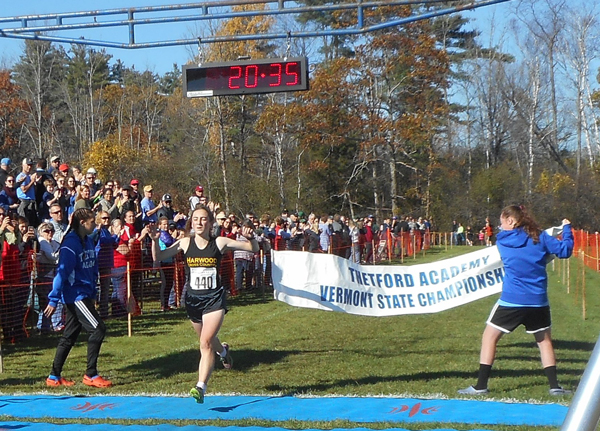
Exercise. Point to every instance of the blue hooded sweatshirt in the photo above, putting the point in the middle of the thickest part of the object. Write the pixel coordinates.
(77, 271)
(525, 278)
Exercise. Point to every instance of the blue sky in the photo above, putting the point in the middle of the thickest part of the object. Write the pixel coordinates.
(158, 60)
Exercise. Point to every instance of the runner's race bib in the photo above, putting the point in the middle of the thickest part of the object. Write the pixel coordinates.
(203, 278)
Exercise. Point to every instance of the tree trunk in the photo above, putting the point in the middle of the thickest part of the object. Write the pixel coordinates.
(222, 158)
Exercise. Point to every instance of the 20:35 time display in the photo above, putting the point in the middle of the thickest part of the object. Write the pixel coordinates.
(246, 77)
(275, 74)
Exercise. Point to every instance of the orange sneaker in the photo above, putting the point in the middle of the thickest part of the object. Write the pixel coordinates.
(96, 382)
(58, 381)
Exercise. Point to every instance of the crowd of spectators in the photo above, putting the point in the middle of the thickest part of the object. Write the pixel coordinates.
(37, 200)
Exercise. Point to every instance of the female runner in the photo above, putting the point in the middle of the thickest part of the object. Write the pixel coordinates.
(205, 296)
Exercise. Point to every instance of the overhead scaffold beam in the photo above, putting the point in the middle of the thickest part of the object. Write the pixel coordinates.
(53, 26)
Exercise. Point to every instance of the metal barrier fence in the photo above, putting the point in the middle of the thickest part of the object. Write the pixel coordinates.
(144, 286)
(140, 287)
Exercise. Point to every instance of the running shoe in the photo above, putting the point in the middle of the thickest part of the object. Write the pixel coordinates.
(226, 360)
(198, 394)
(96, 382)
(559, 391)
(472, 391)
(58, 381)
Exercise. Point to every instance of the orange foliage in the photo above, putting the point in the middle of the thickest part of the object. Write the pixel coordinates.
(12, 111)
(241, 26)
(326, 112)
(111, 158)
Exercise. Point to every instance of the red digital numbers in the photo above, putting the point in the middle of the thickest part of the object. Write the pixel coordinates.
(276, 74)
(251, 77)
(246, 77)
(236, 74)
(289, 72)
(263, 75)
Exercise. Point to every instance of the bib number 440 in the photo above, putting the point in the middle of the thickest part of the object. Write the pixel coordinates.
(203, 278)
(203, 283)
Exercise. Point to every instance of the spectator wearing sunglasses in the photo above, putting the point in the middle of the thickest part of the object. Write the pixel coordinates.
(8, 196)
(47, 258)
(56, 219)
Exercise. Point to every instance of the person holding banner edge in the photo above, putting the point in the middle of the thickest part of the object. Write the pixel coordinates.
(205, 299)
(525, 250)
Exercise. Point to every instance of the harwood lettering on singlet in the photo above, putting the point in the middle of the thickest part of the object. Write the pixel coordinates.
(201, 261)
(203, 267)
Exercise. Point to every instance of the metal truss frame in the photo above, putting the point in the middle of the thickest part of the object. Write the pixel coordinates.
(51, 27)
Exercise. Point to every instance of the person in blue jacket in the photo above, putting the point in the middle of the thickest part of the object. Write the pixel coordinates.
(75, 285)
(525, 250)
(105, 243)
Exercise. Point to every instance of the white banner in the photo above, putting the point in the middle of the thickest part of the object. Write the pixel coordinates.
(329, 282)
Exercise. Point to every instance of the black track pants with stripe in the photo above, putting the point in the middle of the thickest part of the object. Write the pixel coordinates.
(80, 314)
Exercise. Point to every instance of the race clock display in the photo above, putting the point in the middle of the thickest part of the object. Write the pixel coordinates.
(246, 77)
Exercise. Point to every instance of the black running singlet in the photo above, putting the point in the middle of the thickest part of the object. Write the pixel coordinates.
(203, 268)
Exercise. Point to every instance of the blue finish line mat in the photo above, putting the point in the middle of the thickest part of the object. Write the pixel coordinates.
(282, 408)
(29, 426)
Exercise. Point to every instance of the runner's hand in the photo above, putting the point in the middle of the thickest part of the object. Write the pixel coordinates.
(153, 232)
(247, 232)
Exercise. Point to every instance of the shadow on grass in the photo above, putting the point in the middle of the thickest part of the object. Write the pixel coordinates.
(33, 344)
(411, 378)
(150, 324)
(186, 361)
(156, 323)
(245, 298)
(558, 344)
(25, 381)
(370, 380)
(561, 359)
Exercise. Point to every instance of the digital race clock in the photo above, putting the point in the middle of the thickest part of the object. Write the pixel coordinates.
(245, 77)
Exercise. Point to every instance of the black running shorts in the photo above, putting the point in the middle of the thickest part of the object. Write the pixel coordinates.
(198, 305)
(507, 319)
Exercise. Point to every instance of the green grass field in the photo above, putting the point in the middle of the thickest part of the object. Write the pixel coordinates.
(279, 349)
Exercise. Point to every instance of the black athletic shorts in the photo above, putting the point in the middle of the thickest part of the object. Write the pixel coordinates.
(507, 319)
(198, 305)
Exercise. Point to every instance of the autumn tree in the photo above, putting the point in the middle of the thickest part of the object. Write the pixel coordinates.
(315, 138)
(332, 46)
(133, 110)
(545, 22)
(87, 73)
(13, 113)
(406, 75)
(228, 120)
(114, 159)
(39, 73)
